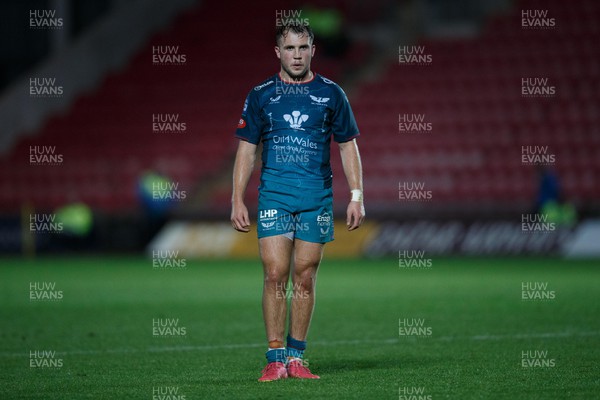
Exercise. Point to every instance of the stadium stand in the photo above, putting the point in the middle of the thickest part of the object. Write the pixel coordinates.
(471, 95)
(106, 138)
(472, 157)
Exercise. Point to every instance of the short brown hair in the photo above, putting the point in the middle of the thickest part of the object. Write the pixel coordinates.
(297, 28)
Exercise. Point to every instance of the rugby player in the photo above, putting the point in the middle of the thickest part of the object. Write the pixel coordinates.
(295, 114)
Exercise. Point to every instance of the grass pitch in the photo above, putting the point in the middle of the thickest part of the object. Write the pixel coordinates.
(476, 331)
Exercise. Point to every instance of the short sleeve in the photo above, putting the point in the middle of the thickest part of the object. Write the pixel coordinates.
(250, 126)
(343, 122)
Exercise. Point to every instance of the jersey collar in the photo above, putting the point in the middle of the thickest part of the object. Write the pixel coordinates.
(297, 83)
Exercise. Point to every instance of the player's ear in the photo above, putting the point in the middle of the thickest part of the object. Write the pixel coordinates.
(312, 52)
(277, 52)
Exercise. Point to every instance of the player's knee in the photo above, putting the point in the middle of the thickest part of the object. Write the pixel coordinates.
(305, 279)
(275, 277)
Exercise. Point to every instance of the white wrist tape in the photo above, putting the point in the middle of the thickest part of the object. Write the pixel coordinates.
(357, 195)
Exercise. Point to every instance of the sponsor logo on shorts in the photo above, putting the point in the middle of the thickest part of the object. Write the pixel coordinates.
(324, 223)
(267, 218)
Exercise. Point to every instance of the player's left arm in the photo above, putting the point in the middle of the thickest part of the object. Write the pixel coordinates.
(355, 213)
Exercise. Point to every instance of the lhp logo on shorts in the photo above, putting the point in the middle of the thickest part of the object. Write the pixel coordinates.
(324, 222)
(267, 218)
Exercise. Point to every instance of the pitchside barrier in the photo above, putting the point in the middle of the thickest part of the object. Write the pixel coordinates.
(394, 239)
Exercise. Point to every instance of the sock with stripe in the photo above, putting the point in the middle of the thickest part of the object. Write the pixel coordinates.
(276, 352)
(295, 348)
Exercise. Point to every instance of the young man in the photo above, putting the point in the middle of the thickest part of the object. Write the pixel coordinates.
(294, 113)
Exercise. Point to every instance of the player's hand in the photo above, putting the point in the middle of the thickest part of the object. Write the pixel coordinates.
(355, 215)
(239, 217)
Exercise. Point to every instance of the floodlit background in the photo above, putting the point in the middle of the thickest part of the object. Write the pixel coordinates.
(479, 138)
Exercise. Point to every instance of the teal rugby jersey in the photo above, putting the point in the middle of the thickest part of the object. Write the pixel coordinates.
(295, 122)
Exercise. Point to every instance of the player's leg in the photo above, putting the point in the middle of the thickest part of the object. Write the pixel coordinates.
(275, 253)
(307, 258)
(314, 228)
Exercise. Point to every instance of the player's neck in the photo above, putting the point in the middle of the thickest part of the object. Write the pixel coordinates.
(309, 76)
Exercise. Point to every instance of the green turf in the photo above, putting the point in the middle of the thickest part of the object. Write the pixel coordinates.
(102, 330)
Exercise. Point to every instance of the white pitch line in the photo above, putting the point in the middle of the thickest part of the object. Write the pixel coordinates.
(548, 335)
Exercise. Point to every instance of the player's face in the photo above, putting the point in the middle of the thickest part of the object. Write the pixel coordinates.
(295, 53)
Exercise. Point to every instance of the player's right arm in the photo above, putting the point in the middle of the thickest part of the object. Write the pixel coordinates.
(242, 169)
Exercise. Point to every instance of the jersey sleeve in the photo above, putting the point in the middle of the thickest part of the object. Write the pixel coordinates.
(250, 126)
(343, 122)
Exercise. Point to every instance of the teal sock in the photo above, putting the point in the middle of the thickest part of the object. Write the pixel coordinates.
(276, 355)
(295, 348)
